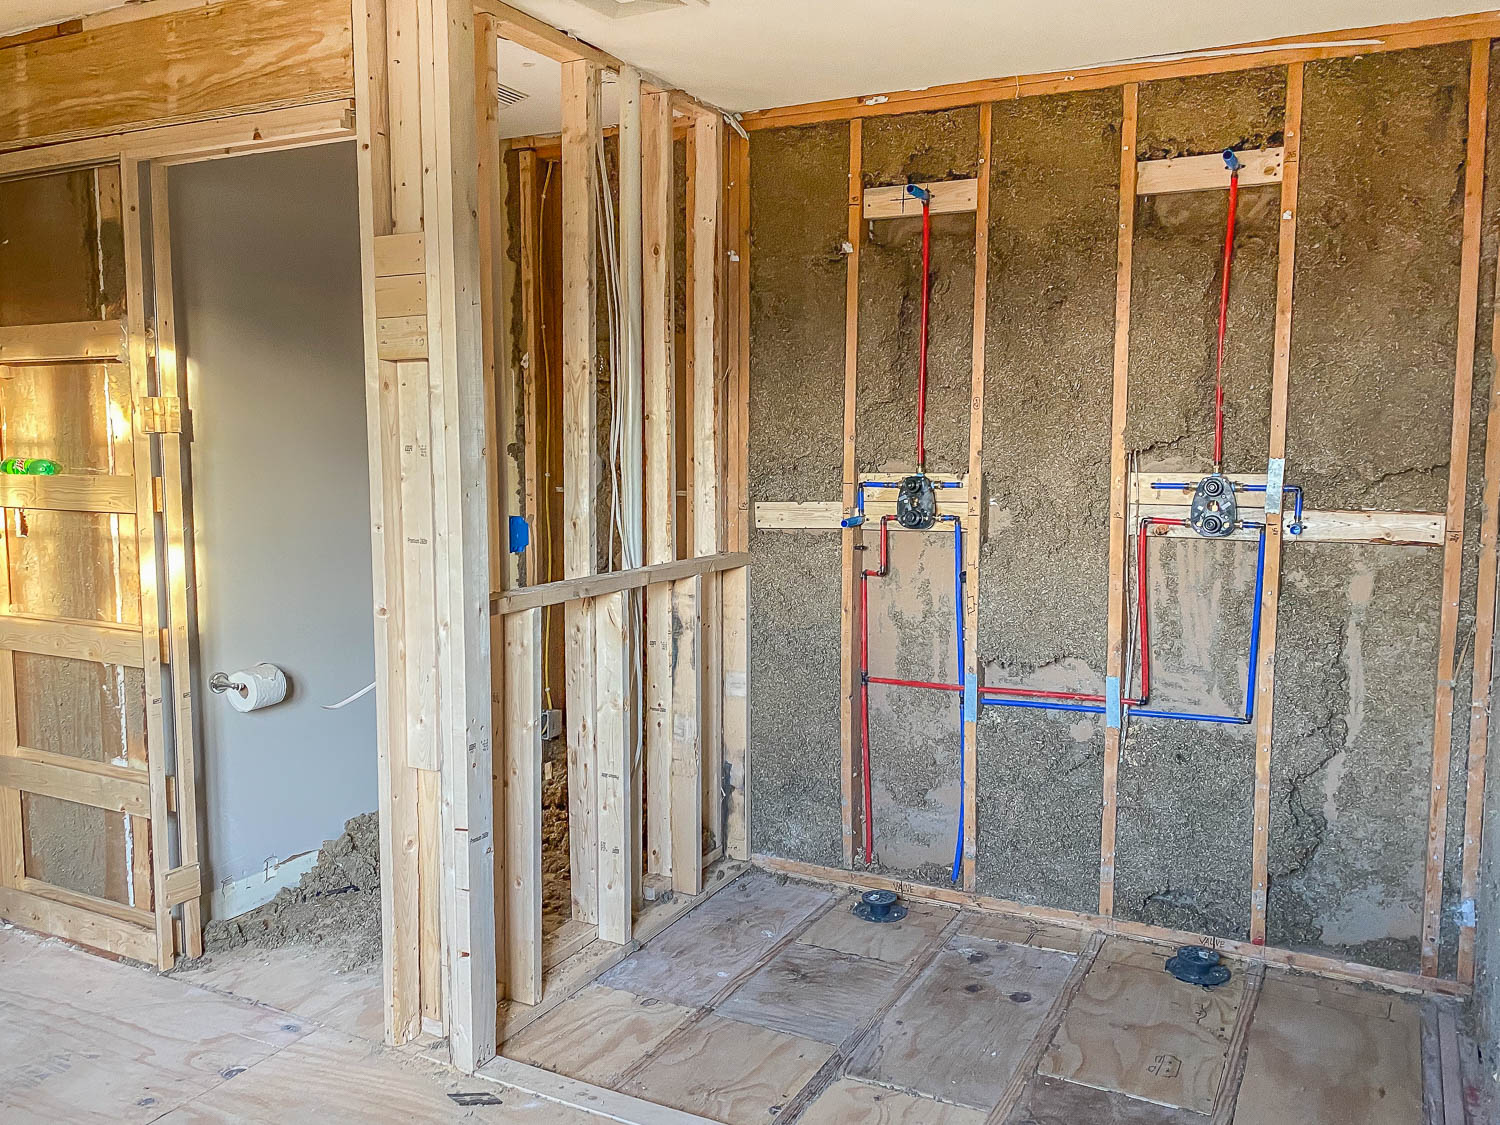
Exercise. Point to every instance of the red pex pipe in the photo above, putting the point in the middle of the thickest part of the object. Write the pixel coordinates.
(864, 680)
(1234, 195)
(922, 349)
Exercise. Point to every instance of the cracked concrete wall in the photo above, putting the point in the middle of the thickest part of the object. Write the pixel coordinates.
(1371, 384)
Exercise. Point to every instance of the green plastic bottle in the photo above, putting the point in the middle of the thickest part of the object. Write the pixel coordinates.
(30, 467)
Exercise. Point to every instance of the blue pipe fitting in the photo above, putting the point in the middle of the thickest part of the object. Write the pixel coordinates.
(1231, 161)
(916, 191)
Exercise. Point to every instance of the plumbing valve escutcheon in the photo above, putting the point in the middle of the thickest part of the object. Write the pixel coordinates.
(1214, 513)
(916, 503)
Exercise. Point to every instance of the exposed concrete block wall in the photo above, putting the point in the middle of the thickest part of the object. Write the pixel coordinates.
(1374, 333)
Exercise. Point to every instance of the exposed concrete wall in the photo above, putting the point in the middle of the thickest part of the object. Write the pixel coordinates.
(797, 276)
(1371, 389)
(266, 269)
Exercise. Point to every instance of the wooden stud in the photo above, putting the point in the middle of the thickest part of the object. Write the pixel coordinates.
(531, 360)
(1115, 665)
(178, 573)
(704, 278)
(580, 463)
(613, 788)
(1484, 663)
(1458, 464)
(853, 814)
(597, 585)
(151, 609)
(687, 736)
(523, 805)
(659, 333)
(399, 887)
(1265, 688)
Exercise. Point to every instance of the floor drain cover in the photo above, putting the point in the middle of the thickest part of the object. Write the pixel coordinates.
(879, 906)
(1196, 964)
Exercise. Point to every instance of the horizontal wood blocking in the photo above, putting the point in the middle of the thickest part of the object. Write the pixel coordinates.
(65, 916)
(159, 415)
(1200, 173)
(80, 341)
(208, 61)
(98, 784)
(73, 640)
(69, 492)
(531, 33)
(597, 585)
(1415, 529)
(896, 202)
(828, 515)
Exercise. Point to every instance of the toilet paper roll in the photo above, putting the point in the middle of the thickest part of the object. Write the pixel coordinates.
(260, 685)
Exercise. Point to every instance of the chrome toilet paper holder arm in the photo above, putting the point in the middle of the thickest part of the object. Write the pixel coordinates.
(219, 683)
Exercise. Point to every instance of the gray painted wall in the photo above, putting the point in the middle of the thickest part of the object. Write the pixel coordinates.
(266, 273)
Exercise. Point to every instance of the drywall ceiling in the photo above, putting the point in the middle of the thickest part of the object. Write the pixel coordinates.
(751, 54)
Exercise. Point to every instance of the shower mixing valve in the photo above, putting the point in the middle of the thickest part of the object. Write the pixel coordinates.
(1214, 513)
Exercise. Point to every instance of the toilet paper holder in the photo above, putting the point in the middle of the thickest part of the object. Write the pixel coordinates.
(220, 682)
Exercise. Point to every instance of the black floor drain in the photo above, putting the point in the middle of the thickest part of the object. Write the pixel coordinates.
(879, 906)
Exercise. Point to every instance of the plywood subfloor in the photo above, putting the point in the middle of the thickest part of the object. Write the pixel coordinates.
(597, 1034)
(847, 1101)
(729, 1071)
(897, 942)
(86, 1040)
(1322, 1053)
(693, 959)
(811, 991)
(1134, 1029)
(960, 1031)
(1052, 1101)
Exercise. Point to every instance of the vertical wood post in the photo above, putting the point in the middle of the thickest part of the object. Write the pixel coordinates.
(1115, 661)
(853, 814)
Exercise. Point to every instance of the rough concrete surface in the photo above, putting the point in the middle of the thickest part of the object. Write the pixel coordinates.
(1186, 788)
(1043, 565)
(794, 709)
(336, 904)
(798, 221)
(1380, 225)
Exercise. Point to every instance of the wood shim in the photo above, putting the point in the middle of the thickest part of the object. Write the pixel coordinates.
(895, 202)
(1200, 173)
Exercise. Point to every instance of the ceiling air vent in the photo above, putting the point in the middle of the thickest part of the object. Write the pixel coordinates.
(509, 95)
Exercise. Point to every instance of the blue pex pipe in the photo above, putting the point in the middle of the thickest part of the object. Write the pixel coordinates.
(958, 604)
(1237, 720)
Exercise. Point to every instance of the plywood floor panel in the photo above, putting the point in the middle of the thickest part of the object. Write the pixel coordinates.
(962, 1028)
(1023, 931)
(595, 1035)
(298, 979)
(1132, 1028)
(1051, 1101)
(84, 1039)
(897, 942)
(812, 991)
(730, 1071)
(848, 1101)
(335, 1079)
(695, 957)
(1320, 1054)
